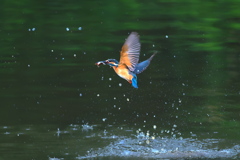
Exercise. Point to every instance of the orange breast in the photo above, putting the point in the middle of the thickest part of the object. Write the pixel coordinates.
(123, 72)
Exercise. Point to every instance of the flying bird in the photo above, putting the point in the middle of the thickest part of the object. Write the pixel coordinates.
(128, 66)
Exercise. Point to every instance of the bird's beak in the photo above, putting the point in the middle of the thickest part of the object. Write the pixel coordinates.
(101, 62)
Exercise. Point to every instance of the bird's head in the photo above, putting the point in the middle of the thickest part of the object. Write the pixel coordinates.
(112, 62)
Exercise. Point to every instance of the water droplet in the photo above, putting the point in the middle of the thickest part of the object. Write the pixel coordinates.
(154, 126)
(147, 141)
(79, 28)
(80, 94)
(110, 79)
(104, 119)
(74, 55)
(28, 65)
(98, 95)
(127, 99)
(179, 100)
(120, 84)
(166, 36)
(67, 29)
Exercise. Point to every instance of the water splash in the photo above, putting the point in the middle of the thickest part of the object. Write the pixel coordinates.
(144, 147)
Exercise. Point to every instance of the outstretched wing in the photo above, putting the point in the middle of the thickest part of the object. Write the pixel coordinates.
(130, 51)
(143, 65)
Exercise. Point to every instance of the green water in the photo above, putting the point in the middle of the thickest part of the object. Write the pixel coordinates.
(50, 87)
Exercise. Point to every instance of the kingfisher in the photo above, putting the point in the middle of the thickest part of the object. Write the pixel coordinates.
(128, 66)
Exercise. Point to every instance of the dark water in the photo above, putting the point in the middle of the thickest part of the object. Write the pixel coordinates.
(55, 104)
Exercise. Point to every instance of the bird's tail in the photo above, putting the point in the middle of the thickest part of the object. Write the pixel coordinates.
(134, 82)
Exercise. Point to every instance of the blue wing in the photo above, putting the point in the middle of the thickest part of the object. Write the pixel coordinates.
(143, 65)
(130, 51)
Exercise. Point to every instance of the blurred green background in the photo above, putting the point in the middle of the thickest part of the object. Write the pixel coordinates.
(48, 77)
